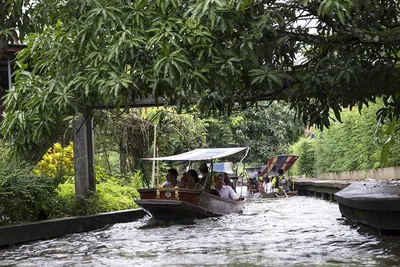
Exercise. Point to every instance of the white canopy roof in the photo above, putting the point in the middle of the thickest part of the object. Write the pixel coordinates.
(201, 154)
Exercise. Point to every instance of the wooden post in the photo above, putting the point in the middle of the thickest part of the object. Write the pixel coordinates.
(84, 159)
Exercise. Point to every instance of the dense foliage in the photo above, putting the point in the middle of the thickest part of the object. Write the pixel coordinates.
(127, 138)
(267, 131)
(48, 190)
(24, 196)
(318, 55)
(305, 150)
(354, 144)
(112, 193)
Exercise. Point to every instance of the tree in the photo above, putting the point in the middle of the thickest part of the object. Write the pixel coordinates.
(268, 131)
(14, 21)
(317, 55)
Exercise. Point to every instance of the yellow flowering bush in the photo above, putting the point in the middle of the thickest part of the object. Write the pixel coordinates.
(58, 161)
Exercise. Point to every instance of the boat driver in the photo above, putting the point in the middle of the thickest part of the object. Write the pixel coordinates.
(225, 191)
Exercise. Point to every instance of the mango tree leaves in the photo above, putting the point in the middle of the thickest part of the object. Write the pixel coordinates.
(222, 54)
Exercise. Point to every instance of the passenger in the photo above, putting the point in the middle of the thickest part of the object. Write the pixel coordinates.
(228, 181)
(254, 187)
(275, 184)
(190, 180)
(284, 184)
(225, 191)
(267, 185)
(172, 179)
(182, 182)
(260, 181)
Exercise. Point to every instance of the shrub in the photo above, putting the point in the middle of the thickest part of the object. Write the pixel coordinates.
(113, 193)
(24, 197)
(58, 162)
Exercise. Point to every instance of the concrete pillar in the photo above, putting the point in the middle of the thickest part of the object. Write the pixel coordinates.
(84, 158)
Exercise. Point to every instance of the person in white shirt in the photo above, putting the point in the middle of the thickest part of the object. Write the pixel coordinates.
(225, 191)
(267, 185)
(172, 179)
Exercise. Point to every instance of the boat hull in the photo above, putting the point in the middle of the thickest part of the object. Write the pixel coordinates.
(183, 204)
(174, 210)
(278, 195)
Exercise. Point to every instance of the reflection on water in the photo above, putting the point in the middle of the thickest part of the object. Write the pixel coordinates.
(298, 231)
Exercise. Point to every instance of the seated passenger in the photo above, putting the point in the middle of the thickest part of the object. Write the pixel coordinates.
(267, 185)
(182, 182)
(190, 180)
(278, 181)
(275, 183)
(254, 187)
(228, 181)
(225, 191)
(172, 179)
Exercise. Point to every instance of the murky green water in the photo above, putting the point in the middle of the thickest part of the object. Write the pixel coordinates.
(298, 231)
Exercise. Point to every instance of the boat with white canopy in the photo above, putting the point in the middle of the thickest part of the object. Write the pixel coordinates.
(176, 204)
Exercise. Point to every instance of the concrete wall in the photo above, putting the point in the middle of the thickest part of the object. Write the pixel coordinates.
(15, 234)
(378, 174)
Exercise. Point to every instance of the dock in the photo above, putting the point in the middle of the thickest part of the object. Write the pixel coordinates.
(374, 203)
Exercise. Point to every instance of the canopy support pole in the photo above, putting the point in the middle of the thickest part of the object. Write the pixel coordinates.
(153, 171)
(247, 152)
(209, 175)
(241, 189)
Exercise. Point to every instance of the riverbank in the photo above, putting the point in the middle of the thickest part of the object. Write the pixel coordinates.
(373, 203)
(324, 189)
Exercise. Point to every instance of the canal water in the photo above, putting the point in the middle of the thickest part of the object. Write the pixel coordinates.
(298, 231)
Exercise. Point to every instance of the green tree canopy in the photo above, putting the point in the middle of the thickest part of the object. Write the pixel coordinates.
(224, 54)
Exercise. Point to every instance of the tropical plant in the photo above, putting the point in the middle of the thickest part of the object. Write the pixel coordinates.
(58, 162)
(318, 55)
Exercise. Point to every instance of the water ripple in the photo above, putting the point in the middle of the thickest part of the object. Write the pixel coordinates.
(298, 231)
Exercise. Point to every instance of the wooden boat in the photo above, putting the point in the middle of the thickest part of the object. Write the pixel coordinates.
(278, 194)
(180, 204)
(276, 163)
